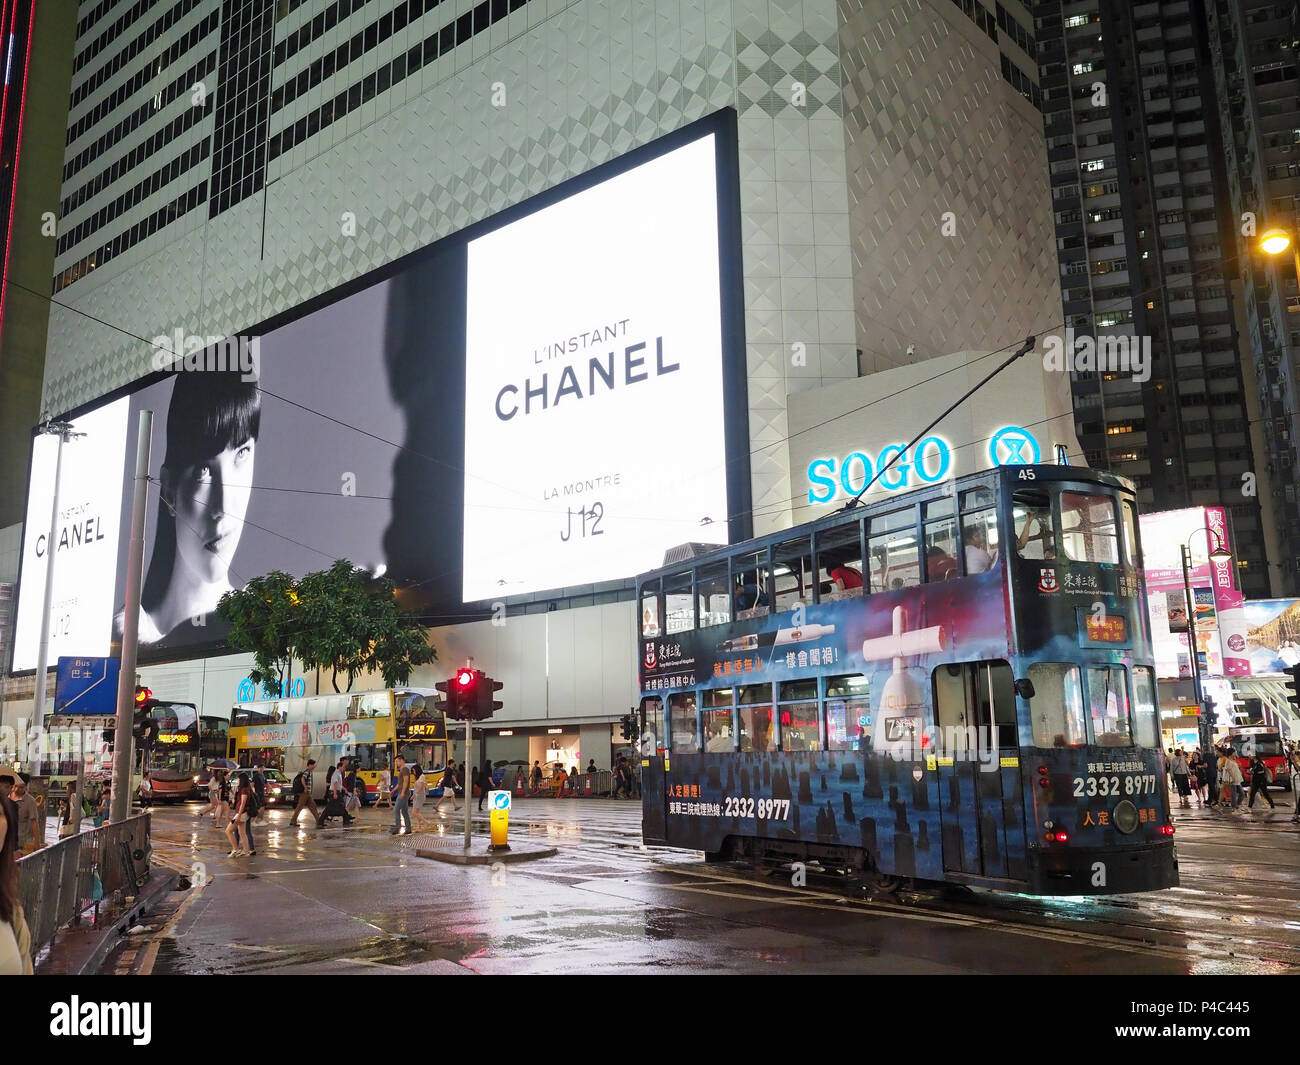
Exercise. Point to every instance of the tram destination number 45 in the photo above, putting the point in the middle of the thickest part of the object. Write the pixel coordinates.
(1136, 784)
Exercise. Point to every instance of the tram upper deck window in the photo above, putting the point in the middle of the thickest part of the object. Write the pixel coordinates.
(1057, 705)
(686, 738)
(979, 530)
(713, 586)
(679, 603)
(1146, 708)
(1130, 533)
(848, 712)
(1108, 706)
(839, 561)
(1031, 513)
(892, 548)
(792, 573)
(1088, 529)
(752, 585)
(940, 539)
(650, 611)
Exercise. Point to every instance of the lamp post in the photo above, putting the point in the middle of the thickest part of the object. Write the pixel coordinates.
(1217, 551)
(64, 431)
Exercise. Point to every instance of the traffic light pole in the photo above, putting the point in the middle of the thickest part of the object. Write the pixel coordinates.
(469, 761)
(121, 807)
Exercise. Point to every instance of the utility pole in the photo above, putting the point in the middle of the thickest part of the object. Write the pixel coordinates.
(131, 627)
(64, 431)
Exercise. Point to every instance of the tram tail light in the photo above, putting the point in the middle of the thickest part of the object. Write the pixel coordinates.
(1166, 830)
(1062, 837)
(1043, 782)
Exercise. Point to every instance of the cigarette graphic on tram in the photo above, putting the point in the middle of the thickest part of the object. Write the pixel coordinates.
(900, 714)
(780, 638)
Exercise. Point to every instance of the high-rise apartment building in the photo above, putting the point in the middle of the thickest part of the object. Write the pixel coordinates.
(1147, 240)
(1255, 49)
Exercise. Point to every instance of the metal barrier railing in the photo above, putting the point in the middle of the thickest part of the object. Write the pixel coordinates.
(57, 883)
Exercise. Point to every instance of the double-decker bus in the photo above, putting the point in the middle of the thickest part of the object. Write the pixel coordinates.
(1263, 740)
(373, 727)
(184, 744)
(952, 684)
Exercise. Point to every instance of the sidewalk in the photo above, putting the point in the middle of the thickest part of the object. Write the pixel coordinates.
(80, 950)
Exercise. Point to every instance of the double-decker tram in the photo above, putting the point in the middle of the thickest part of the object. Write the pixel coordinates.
(953, 684)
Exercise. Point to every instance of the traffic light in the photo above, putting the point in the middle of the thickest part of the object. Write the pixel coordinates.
(450, 703)
(486, 706)
(142, 695)
(1292, 685)
(629, 727)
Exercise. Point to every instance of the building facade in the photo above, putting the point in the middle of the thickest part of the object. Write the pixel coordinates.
(226, 163)
(1149, 247)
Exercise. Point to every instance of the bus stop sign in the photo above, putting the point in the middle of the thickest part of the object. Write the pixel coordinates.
(86, 686)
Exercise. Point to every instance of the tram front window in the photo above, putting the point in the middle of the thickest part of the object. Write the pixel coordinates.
(1057, 705)
(1108, 706)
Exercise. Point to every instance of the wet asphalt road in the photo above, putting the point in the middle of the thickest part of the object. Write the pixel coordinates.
(357, 900)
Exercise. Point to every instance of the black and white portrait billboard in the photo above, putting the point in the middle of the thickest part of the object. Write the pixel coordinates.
(544, 401)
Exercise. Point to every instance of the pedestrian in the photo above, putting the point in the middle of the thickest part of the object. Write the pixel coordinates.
(351, 784)
(223, 814)
(1260, 778)
(256, 781)
(302, 794)
(15, 939)
(1178, 770)
(485, 783)
(243, 796)
(385, 797)
(146, 789)
(401, 796)
(334, 798)
(31, 826)
(419, 788)
(1210, 776)
(591, 765)
(214, 795)
(105, 805)
(558, 779)
(620, 781)
(1195, 768)
(537, 777)
(446, 789)
(573, 780)
(1231, 775)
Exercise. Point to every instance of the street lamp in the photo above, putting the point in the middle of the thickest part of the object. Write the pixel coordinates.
(1276, 241)
(1217, 551)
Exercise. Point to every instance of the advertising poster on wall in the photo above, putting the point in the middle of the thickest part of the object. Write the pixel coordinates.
(1219, 614)
(505, 412)
(1272, 635)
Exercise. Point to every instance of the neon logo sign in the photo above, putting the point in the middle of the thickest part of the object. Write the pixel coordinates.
(931, 462)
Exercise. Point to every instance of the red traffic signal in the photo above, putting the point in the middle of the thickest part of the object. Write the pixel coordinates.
(142, 695)
(465, 678)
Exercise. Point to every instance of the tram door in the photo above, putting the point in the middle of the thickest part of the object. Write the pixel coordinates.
(978, 761)
(654, 801)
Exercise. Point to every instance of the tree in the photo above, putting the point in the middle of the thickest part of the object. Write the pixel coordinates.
(263, 619)
(339, 619)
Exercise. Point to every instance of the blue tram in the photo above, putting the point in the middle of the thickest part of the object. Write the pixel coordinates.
(952, 685)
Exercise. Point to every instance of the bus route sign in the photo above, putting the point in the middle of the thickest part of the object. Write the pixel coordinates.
(86, 685)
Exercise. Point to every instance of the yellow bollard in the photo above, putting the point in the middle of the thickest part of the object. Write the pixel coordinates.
(499, 803)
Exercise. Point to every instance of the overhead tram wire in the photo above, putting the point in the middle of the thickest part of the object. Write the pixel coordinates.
(1024, 349)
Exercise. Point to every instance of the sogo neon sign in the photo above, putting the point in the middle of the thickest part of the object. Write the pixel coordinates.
(932, 463)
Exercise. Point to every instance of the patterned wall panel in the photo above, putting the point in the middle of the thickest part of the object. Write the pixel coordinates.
(585, 82)
(931, 127)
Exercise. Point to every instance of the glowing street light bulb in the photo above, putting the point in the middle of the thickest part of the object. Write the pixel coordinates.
(1275, 241)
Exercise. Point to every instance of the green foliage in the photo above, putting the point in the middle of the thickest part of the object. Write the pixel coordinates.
(262, 620)
(339, 619)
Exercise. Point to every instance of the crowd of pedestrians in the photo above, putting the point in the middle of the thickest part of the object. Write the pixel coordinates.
(1217, 780)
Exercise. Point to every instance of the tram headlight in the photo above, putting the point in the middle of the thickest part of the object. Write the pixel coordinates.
(1125, 816)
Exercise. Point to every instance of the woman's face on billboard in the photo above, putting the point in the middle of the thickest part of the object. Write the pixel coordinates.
(211, 498)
